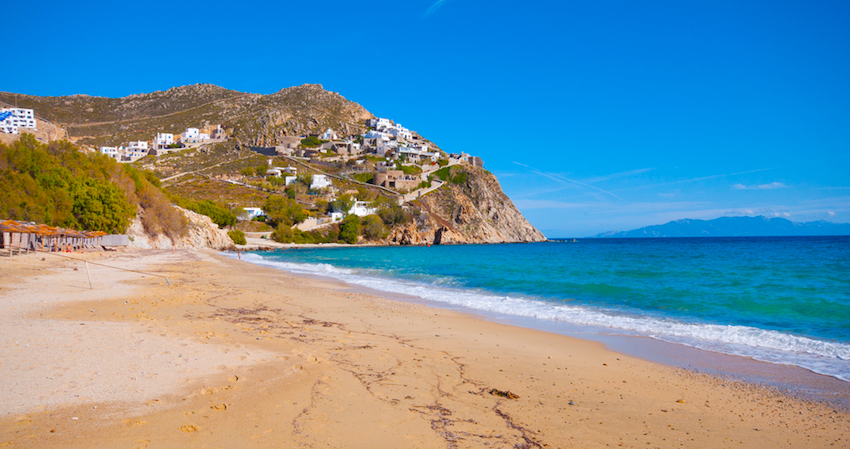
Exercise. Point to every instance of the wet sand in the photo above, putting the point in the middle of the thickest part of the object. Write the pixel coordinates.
(237, 355)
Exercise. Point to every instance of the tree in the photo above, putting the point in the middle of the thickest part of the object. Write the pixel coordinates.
(390, 212)
(100, 205)
(373, 228)
(281, 210)
(343, 203)
(349, 229)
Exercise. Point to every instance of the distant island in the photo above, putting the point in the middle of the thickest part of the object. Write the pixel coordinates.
(733, 227)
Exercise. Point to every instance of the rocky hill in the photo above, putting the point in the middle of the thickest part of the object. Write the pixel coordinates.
(252, 119)
(475, 210)
(470, 208)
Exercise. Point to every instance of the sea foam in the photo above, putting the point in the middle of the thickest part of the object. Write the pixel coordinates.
(820, 356)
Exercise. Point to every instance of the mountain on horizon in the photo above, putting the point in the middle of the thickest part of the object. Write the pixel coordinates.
(759, 226)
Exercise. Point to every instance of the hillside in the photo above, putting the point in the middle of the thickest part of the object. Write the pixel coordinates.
(473, 210)
(439, 198)
(252, 119)
(734, 227)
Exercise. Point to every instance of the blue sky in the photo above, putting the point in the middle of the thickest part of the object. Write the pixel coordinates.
(595, 116)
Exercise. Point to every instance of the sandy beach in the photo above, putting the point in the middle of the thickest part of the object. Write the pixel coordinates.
(237, 355)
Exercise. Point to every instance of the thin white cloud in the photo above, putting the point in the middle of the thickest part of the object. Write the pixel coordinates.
(562, 179)
(771, 186)
(830, 213)
(701, 178)
(434, 8)
(617, 175)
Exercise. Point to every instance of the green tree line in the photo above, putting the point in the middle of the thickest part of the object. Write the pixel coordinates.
(59, 185)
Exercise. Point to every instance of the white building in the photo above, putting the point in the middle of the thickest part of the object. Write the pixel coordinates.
(320, 182)
(140, 145)
(163, 140)
(251, 212)
(362, 209)
(289, 180)
(329, 135)
(400, 132)
(372, 134)
(191, 135)
(203, 137)
(110, 151)
(14, 118)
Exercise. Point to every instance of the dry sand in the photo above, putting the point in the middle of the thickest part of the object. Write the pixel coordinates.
(236, 355)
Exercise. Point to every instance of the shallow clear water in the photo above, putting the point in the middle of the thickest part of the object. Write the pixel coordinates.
(782, 300)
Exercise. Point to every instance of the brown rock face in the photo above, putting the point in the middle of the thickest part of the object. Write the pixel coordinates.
(473, 211)
(202, 233)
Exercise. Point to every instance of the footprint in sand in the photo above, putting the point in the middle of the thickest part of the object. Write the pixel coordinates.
(219, 407)
(189, 429)
(141, 444)
(134, 423)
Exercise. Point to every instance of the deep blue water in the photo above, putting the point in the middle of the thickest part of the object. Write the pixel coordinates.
(777, 299)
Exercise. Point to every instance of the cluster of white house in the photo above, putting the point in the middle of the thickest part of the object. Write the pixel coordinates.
(11, 119)
(138, 149)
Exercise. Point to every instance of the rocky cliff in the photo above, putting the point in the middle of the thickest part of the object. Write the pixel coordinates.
(202, 233)
(470, 209)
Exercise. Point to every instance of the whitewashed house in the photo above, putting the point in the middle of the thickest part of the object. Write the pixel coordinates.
(320, 182)
(203, 137)
(140, 145)
(372, 134)
(329, 135)
(163, 140)
(289, 180)
(401, 134)
(110, 151)
(191, 135)
(362, 209)
(16, 118)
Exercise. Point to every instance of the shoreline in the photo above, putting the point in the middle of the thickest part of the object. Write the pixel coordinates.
(310, 363)
(793, 380)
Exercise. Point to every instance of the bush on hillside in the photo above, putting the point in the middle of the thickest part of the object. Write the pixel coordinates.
(237, 236)
(372, 228)
(280, 210)
(58, 185)
(349, 229)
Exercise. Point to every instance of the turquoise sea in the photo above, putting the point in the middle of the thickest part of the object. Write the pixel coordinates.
(775, 299)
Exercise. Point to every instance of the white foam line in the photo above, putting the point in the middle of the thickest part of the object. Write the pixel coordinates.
(823, 357)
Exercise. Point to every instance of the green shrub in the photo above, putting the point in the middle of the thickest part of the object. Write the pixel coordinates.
(364, 177)
(219, 214)
(390, 212)
(410, 169)
(349, 229)
(237, 236)
(286, 234)
(281, 210)
(311, 142)
(373, 228)
(455, 174)
(343, 203)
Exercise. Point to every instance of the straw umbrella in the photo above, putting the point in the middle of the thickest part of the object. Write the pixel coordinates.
(10, 227)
